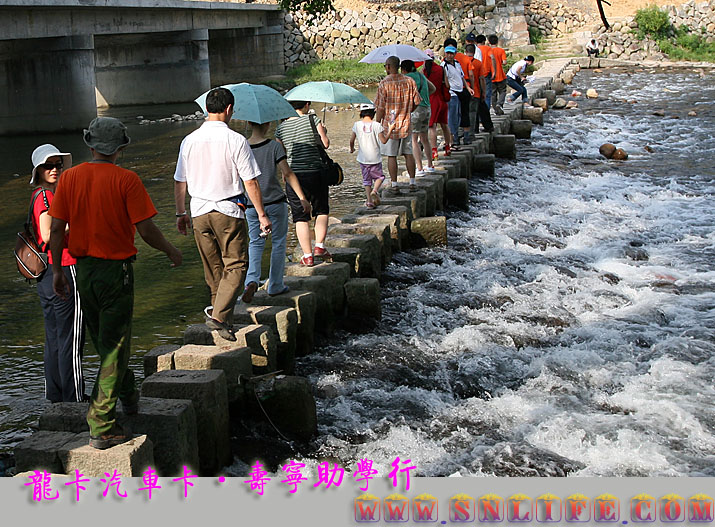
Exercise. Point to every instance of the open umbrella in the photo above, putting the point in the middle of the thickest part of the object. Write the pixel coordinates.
(255, 103)
(327, 92)
(401, 51)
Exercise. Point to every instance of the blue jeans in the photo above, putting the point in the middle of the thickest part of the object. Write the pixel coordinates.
(520, 90)
(278, 214)
(454, 116)
(488, 96)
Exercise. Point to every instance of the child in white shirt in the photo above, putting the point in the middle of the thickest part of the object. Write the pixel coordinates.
(368, 133)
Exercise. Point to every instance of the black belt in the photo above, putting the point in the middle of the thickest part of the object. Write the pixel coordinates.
(281, 200)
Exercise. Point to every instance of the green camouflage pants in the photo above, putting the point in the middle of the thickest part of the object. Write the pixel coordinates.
(106, 289)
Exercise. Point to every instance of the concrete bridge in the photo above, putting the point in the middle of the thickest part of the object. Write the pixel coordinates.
(61, 59)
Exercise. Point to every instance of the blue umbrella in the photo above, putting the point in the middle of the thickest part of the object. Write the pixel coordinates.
(255, 103)
(327, 92)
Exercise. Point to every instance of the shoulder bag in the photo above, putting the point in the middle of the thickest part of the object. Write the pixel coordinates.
(332, 172)
(31, 258)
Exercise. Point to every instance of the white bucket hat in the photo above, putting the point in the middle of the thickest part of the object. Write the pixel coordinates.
(40, 156)
(366, 106)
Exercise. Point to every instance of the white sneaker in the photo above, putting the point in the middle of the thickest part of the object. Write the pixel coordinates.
(430, 170)
(208, 311)
(419, 173)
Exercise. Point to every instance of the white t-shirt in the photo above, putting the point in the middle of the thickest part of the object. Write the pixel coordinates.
(517, 69)
(368, 142)
(592, 45)
(212, 161)
(455, 76)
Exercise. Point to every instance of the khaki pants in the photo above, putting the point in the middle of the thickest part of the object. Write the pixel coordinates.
(223, 245)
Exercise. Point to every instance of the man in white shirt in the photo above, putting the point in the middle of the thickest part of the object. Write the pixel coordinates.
(215, 164)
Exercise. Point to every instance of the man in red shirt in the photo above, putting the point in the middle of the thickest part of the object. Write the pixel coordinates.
(488, 72)
(105, 205)
(498, 56)
(396, 99)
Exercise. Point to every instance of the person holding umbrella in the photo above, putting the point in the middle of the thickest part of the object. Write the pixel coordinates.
(299, 135)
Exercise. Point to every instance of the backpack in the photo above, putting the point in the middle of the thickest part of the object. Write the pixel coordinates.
(31, 257)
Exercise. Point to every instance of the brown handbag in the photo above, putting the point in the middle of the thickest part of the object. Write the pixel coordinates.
(31, 259)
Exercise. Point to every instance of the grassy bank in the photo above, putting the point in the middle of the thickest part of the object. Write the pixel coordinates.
(347, 71)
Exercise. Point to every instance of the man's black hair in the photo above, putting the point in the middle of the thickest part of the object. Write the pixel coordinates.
(481, 39)
(493, 40)
(298, 104)
(529, 58)
(450, 42)
(218, 100)
(364, 113)
(470, 48)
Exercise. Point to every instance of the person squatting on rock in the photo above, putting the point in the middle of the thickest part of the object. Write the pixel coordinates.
(515, 79)
(420, 118)
(300, 135)
(498, 59)
(592, 48)
(271, 158)
(215, 164)
(370, 135)
(64, 326)
(438, 104)
(105, 205)
(396, 99)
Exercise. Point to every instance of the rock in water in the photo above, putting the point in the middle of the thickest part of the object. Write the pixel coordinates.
(571, 105)
(592, 94)
(620, 155)
(692, 113)
(559, 104)
(575, 93)
(659, 113)
(648, 149)
(607, 150)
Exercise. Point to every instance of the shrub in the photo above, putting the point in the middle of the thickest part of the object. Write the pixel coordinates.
(653, 21)
(535, 35)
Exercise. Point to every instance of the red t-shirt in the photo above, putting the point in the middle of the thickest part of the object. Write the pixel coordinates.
(102, 202)
(42, 204)
(499, 57)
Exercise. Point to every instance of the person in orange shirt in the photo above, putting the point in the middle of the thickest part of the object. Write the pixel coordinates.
(465, 95)
(498, 58)
(487, 66)
(106, 205)
(478, 108)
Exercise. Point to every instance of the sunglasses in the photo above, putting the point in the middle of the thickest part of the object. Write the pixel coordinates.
(49, 166)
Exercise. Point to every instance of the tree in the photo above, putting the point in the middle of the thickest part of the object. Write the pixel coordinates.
(445, 16)
(312, 7)
(600, 12)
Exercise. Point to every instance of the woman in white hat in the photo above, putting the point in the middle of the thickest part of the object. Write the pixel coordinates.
(64, 328)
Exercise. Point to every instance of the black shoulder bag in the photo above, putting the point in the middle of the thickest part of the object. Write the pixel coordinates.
(332, 172)
(31, 257)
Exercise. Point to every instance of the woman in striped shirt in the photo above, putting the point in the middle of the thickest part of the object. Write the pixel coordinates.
(298, 137)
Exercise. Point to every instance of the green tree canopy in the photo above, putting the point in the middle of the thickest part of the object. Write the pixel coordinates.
(312, 7)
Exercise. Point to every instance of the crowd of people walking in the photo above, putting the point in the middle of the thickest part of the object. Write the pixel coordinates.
(86, 216)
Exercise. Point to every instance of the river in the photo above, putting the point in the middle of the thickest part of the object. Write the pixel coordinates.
(567, 330)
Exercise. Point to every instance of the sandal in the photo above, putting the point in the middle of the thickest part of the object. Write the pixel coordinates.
(375, 198)
(369, 205)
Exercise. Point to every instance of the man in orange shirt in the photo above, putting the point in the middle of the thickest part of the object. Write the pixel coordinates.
(478, 108)
(486, 59)
(105, 205)
(498, 56)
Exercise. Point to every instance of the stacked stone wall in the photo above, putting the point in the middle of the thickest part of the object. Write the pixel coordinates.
(349, 33)
(557, 20)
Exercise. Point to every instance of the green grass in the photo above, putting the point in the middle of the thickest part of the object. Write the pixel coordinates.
(347, 71)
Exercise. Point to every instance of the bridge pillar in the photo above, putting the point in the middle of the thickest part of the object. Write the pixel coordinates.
(151, 68)
(46, 84)
(247, 54)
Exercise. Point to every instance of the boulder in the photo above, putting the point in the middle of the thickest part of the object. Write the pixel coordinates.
(541, 103)
(620, 155)
(571, 105)
(576, 93)
(559, 104)
(591, 93)
(607, 150)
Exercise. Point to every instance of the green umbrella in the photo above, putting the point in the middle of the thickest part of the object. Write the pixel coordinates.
(255, 103)
(327, 92)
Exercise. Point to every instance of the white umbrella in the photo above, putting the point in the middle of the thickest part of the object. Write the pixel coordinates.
(401, 51)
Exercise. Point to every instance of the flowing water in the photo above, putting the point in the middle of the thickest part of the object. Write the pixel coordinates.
(567, 329)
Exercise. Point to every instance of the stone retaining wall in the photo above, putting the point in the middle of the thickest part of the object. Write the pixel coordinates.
(350, 33)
